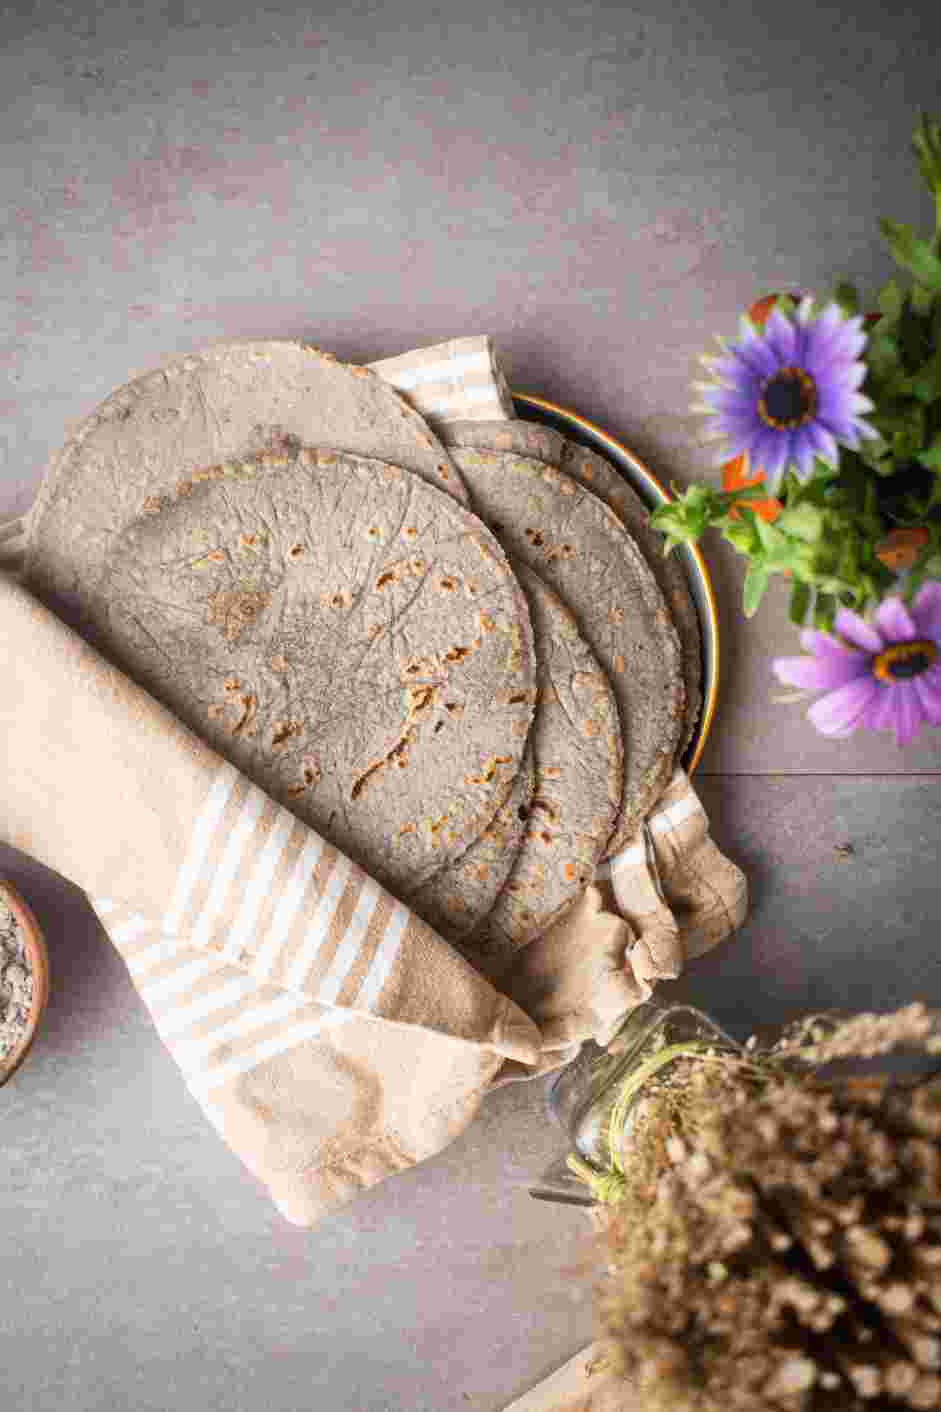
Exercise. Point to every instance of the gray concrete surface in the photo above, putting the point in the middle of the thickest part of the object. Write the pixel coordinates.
(601, 186)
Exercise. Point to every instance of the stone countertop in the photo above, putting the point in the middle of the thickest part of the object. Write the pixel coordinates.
(602, 187)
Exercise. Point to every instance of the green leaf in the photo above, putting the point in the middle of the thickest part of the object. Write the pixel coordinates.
(882, 355)
(742, 538)
(913, 254)
(846, 296)
(756, 581)
(930, 456)
(890, 300)
(926, 383)
(799, 604)
(903, 427)
(927, 146)
(769, 535)
(914, 336)
(848, 563)
(805, 522)
(825, 606)
(922, 299)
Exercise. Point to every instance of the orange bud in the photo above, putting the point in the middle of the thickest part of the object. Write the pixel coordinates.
(735, 476)
(901, 547)
(759, 311)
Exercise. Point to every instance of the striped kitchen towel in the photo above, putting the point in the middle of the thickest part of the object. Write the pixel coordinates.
(329, 1034)
(460, 380)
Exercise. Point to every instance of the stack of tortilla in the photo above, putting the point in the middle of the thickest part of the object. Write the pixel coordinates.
(460, 656)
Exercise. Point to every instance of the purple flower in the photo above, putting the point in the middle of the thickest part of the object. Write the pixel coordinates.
(789, 393)
(884, 675)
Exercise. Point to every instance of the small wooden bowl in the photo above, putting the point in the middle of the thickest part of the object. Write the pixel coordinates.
(38, 959)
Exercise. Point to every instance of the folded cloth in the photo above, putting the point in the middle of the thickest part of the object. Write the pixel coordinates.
(12, 543)
(666, 898)
(329, 1034)
(458, 380)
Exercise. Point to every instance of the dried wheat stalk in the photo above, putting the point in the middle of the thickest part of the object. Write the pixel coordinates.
(779, 1245)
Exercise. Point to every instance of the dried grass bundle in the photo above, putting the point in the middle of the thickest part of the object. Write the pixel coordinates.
(778, 1240)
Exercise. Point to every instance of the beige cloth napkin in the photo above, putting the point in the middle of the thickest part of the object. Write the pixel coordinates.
(330, 1035)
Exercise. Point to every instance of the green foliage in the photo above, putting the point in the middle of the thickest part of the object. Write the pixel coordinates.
(825, 539)
(927, 147)
(845, 294)
(913, 254)
(826, 536)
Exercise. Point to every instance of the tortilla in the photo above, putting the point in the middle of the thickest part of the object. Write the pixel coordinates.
(579, 764)
(346, 635)
(579, 547)
(458, 897)
(517, 435)
(143, 443)
(596, 474)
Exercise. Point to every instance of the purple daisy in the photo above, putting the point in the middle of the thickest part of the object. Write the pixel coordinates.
(884, 675)
(788, 393)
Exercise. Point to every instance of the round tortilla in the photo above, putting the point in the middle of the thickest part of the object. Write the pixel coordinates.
(579, 765)
(458, 897)
(143, 444)
(517, 435)
(596, 474)
(571, 539)
(349, 637)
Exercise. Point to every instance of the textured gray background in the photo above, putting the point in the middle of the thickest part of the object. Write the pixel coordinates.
(602, 187)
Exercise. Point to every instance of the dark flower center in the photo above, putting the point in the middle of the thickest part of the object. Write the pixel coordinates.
(789, 399)
(905, 660)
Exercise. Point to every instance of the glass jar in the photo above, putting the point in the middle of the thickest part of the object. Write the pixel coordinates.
(594, 1098)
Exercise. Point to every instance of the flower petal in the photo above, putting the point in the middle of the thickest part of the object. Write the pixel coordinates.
(840, 711)
(883, 714)
(865, 430)
(735, 371)
(803, 454)
(814, 674)
(857, 631)
(826, 323)
(926, 610)
(775, 454)
(824, 644)
(756, 355)
(823, 442)
(729, 399)
(929, 699)
(781, 336)
(895, 622)
(909, 712)
(737, 434)
(805, 309)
